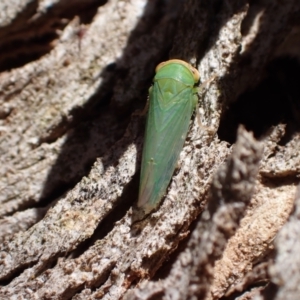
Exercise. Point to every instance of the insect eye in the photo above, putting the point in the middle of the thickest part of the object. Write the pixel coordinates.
(195, 73)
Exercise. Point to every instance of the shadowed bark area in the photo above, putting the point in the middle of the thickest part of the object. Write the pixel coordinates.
(74, 78)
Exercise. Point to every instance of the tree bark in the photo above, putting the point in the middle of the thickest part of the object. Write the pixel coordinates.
(74, 80)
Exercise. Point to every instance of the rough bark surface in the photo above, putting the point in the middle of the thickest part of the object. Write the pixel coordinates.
(74, 77)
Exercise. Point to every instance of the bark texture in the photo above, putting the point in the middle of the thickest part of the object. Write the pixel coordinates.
(74, 77)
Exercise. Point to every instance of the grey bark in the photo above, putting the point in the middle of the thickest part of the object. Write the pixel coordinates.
(73, 83)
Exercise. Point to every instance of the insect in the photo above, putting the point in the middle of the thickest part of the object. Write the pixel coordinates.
(172, 100)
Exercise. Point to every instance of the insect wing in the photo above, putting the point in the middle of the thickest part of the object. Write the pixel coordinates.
(166, 130)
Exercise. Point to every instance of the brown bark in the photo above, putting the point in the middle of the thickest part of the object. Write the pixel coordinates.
(73, 82)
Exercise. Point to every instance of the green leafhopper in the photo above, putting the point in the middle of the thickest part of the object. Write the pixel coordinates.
(172, 100)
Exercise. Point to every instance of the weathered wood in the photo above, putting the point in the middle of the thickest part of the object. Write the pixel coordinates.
(73, 82)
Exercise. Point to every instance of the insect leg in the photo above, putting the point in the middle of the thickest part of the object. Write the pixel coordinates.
(206, 82)
(145, 110)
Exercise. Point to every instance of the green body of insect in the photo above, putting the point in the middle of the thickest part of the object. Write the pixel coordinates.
(172, 100)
